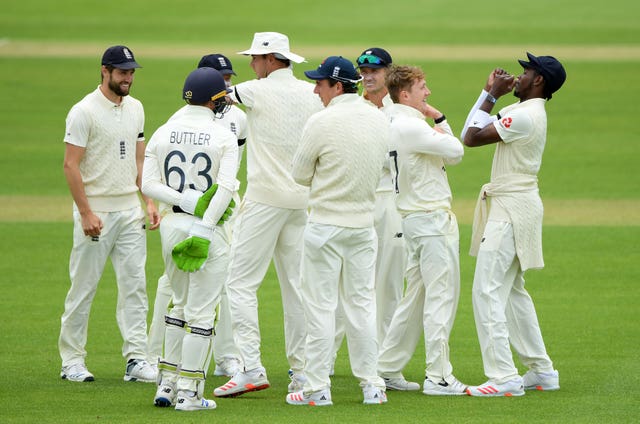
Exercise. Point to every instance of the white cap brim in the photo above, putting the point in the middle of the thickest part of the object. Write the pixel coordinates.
(291, 56)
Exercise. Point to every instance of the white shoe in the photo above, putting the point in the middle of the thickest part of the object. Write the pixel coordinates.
(244, 382)
(373, 395)
(444, 388)
(541, 380)
(140, 370)
(513, 387)
(320, 398)
(229, 367)
(297, 382)
(76, 372)
(400, 383)
(165, 396)
(186, 402)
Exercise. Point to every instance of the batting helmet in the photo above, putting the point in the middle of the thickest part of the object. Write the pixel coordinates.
(202, 85)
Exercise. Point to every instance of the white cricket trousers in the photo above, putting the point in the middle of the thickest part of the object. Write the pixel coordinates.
(431, 298)
(338, 268)
(260, 233)
(155, 338)
(223, 345)
(124, 240)
(391, 262)
(503, 309)
(195, 297)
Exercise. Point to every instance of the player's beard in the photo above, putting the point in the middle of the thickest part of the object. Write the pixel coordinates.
(117, 88)
(518, 89)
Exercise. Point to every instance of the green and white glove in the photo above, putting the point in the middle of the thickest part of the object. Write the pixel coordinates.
(227, 212)
(204, 200)
(196, 202)
(191, 254)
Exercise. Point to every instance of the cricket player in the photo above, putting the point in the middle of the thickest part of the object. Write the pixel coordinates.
(186, 157)
(225, 352)
(273, 213)
(340, 158)
(374, 64)
(419, 154)
(104, 153)
(508, 240)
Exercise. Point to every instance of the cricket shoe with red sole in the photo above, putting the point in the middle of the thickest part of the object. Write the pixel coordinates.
(319, 398)
(244, 382)
(509, 388)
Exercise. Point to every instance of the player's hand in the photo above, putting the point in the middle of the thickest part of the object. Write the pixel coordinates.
(227, 213)
(502, 85)
(492, 77)
(191, 254)
(153, 214)
(429, 111)
(204, 200)
(91, 224)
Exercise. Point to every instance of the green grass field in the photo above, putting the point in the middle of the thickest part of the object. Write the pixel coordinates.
(586, 296)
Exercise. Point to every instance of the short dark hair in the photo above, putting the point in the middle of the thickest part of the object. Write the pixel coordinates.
(347, 87)
(110, 68)
(281, 59)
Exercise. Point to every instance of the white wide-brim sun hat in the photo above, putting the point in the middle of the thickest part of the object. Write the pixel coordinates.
(272, 42)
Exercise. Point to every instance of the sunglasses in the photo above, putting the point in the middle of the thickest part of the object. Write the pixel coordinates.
(369, 58)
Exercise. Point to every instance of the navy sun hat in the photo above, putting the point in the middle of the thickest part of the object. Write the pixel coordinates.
(120, 57)
(337, 68)
(217, 61)
(550, 68)
(375, 57)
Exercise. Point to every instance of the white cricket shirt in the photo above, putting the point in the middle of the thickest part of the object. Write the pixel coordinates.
(190, 151)
(108, 132)
(418, 154)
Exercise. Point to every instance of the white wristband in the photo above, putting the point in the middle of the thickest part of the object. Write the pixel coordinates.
(476, 106)
(480, 119)
(189, 200)
(200, 229)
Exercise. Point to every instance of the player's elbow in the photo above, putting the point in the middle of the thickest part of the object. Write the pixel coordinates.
(470, 140)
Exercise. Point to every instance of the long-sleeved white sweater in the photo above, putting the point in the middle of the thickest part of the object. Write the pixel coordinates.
(341, 157)
(277, 107)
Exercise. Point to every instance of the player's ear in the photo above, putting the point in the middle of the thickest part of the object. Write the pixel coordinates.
(538, 79)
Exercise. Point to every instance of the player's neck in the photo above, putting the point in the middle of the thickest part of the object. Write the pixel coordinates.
(109, 94)
(376, 98)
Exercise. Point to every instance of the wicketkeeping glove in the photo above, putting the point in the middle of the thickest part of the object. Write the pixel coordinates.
(204, 200)
(227, 213)
(191, 254)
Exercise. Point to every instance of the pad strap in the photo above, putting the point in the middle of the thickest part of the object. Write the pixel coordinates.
(205, 332)
(174, 321)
